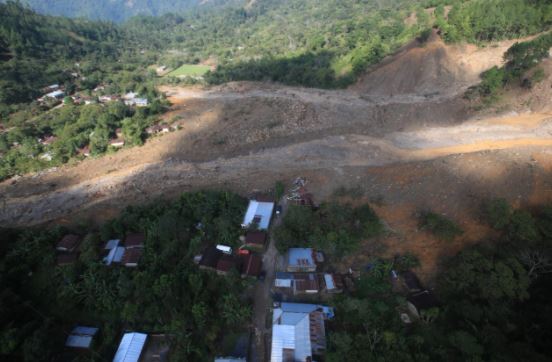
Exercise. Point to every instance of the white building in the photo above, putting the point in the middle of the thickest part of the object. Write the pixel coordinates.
(131, 347)
(259, 213)
(298, 332)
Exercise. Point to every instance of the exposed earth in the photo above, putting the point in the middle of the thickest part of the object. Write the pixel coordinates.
(403, 138)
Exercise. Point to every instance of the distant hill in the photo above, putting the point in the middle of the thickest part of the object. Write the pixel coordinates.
(116, 10)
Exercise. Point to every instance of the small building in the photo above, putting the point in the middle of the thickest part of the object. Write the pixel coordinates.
(131, 257)
(108, 98)
(114, 252)
(210, 258)
(48, 140)
(135, 240)
(225, 249)
(258, 213)
(298, 332)
(69, 243)
(255, 239)
(333, 283)
(420, 301)
(81, 337)
(283, 280)
(230, 359)
(57, 94)
(131, 347)
(85, 151)
(305, 283)
(117, 142)
(141, 102)
(301, 260)
(251, 265)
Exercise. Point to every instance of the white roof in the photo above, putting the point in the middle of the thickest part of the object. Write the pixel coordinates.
(263, 210)
(290, 331)
(329, 281)
(224, 248)
(282, 283)
(112, 244)
(229, 359)
(130, 347)
(55, 94)
(115, 255)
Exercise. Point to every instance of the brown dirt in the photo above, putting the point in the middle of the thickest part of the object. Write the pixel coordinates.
(413, 151)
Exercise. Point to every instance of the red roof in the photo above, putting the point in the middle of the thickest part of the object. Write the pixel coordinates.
(135, 240)
(69, 242)
(252, 265)
(132, 256)
(226, 263)
(305, 282)
(255, 238)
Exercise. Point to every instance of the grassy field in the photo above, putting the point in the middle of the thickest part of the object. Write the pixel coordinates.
(191, 70)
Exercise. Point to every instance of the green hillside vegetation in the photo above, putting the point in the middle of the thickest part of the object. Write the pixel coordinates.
(167, 293)
(116, 10)
(494, 304)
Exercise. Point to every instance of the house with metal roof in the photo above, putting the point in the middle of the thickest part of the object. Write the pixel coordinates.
(298, 332)
(81, 337)
(258, 213)
(69, 243)
(301, 260)
(114, 252)
(131, 347)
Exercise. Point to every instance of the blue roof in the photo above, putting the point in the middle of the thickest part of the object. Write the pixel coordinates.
(300, 257)
(88, 331)
(284, 275)
(307, 308)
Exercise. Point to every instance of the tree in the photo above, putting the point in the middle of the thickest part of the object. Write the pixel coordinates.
(523, 227)
(497, 212)
(440, 226)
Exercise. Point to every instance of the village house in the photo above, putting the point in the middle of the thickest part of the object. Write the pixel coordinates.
(297, 283)
(298, 332)
(67, 249)
(302, 260)
(47, 140)
(81, 337)
(58, 94)
(69, 243)
(222, 262)
(411, 282)
(84, 151)
(113, 252)
(333, 283)
(131, 347)
(255, 239)
(258, 213)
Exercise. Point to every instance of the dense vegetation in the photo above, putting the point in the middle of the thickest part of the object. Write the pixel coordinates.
(167, 293)
(116, 10)
(337, 229)
(78, 55)
(494, 302)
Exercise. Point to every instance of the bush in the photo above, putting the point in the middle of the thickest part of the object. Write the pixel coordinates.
(523, 227)
(497, 213)
(440, 226)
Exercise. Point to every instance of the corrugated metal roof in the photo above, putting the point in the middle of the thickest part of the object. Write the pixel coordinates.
(290, 331)
(329, 281)
(258, 209)
(76, 341)
(112, 244)
(130, 347)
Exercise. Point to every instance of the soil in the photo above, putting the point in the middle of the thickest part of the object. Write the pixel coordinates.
(403, 135)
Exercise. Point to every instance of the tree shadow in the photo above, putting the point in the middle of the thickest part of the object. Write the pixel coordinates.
(313, 70)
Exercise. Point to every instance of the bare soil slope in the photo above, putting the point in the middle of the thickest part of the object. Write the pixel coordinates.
(433, 68)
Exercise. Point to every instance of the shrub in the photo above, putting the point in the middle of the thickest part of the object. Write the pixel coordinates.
(523, 227)
(440, 226)
(497, 213)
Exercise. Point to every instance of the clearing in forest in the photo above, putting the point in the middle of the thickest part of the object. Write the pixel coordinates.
(189, 70)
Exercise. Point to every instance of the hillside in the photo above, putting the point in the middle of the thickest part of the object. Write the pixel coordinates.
(116, 10)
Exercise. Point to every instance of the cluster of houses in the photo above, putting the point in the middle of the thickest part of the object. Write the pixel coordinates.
(245, 260)
(125, 252)
(53, 92)
(133, 347)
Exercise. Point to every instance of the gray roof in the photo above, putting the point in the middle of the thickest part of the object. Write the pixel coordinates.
(301, 257)
(81, 337)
